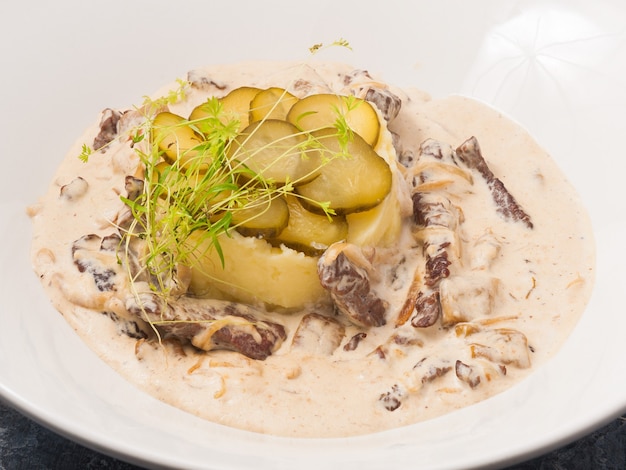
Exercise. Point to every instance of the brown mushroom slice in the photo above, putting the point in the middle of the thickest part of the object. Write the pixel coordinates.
(502, 346)
(108, 129)
(464, 299)
(318, 334)
(471, 375)
(427, 370)
(344, 271)
(413, 293)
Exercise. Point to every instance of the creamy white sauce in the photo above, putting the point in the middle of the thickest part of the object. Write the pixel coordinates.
(544, 277)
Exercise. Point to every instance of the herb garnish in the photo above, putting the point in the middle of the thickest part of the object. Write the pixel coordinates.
(203, 188)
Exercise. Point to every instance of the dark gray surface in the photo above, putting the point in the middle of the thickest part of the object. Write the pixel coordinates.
(25, 444)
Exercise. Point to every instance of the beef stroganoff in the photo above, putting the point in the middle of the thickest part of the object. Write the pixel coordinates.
(305, 250)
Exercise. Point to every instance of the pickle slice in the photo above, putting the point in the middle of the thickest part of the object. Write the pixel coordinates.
(235, 105)
(308, 232)
(273, 149)
(173, 136)
(318, 111)
(238, 102)
(351, 179)
(272, 103)
(265, 217)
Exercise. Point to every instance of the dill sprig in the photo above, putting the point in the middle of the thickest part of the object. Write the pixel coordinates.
(85, 153)
(173, 96)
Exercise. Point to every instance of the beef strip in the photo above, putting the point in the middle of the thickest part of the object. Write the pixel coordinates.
(432, 209)
(435, 372)
(210, 324)
(199, 79)
(428, 214)
(108, 128)
(435, 220)
(134, 187)
(392, 399)
(96, 256)
(132, 329)
(354, 342)
(427, 309)
(425, 371)
(468, 374)
(388, 103)
(206, 323)
(84, 255)
(361, 84)
(470, 154)
(349, 285)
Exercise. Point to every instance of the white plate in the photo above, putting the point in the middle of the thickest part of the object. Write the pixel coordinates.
(557, 67)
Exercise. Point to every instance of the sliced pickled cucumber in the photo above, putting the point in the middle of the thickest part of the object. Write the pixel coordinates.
(201, 117)
(235, 105)
(272, 103)
(319, 111)
(273, 149)
(173, 136)
(352, 178)
(264, 217)
(308, 232)
(238, 102)
(381, 225)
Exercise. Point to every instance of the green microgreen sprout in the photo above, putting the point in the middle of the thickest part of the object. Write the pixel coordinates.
(85, 153)
(315, 48)
(173, 96)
